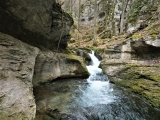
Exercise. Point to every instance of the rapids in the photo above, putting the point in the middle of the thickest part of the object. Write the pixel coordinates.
(94, 98)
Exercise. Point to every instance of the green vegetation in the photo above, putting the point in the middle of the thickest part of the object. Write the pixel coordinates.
(143, 80)
(135, 10)
(136, 36)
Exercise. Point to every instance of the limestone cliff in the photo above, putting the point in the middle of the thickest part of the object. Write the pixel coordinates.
(23, 67)
(35, 29)
(17, 61)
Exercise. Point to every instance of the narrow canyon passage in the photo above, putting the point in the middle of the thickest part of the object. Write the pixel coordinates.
(93, 99)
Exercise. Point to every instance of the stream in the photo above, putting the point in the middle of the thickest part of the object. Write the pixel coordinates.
(94, 98)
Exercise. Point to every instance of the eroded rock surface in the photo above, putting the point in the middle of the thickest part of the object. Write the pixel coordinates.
(51, 65)
(38, 23)
(17, 62)
(21, 67)
(135, 65)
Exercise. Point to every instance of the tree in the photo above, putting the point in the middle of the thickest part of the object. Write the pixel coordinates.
(79, 13)
(95, 17)
(124, 6)
(71, 6)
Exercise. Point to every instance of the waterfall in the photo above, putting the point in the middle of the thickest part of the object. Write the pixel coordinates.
(98, 90)
(93, 68)
(97, 99)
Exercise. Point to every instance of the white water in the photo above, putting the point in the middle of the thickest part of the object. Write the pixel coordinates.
(97, 99)
(93, 68)
(98, 90)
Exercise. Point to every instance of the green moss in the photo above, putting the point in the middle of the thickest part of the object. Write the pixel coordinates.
(136, 36)
(143, 80)
(82, 68)
(135, 10)
(153, 33)
(46, 117)
(5, 115)
(153, 98)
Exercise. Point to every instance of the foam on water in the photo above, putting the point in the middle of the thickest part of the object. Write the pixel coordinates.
(98, 90)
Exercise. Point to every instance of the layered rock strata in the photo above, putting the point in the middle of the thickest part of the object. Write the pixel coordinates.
(27, 59)
(17, 61)
(135, 64)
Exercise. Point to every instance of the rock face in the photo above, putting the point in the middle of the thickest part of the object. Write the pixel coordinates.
(39, 23)
(135, 63)
(22, 67)
(17, 62)
(50, 66)
(116, 16)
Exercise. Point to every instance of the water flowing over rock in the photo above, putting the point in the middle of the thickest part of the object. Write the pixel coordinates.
(41, 24)
(38, 22)
(22, 67)
(17, 62)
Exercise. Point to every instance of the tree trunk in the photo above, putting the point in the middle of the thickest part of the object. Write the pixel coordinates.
(78, 24)
(95, 17)
(124, 6)
(71, 6)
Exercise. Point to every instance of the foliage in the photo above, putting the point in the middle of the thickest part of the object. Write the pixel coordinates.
(135, 10)
(136, 36)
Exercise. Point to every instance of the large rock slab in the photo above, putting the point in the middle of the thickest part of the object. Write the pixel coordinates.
(17, 62)
(50, 65)
(38, 22)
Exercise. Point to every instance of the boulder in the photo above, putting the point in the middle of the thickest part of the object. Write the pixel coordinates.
(38, 22)
(84, 55)
(17, 61)
(50, 65)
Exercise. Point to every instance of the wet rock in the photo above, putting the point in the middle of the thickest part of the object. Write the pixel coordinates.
(57, 115)
(17, 62)
(98, 56)
(50, 66)
(39, 23)
(84, 55)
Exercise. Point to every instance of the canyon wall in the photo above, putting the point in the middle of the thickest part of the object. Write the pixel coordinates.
(29, 33)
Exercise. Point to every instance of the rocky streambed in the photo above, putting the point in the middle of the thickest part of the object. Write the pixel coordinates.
(76, 99)
(94, 98)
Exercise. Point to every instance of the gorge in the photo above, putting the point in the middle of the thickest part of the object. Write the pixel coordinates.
(44, 48)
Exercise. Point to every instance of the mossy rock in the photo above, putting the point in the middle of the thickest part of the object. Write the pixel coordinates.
(136, 36)
(76, 59)
(46, 117)
(142, 80)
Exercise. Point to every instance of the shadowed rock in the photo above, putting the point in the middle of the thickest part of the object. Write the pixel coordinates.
(39, 23)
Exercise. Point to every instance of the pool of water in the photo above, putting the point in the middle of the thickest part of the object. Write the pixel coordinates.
(93, 98)
(96, 100)
(101, 100)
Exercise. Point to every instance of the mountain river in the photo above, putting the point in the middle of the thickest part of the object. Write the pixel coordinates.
(95, 98)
